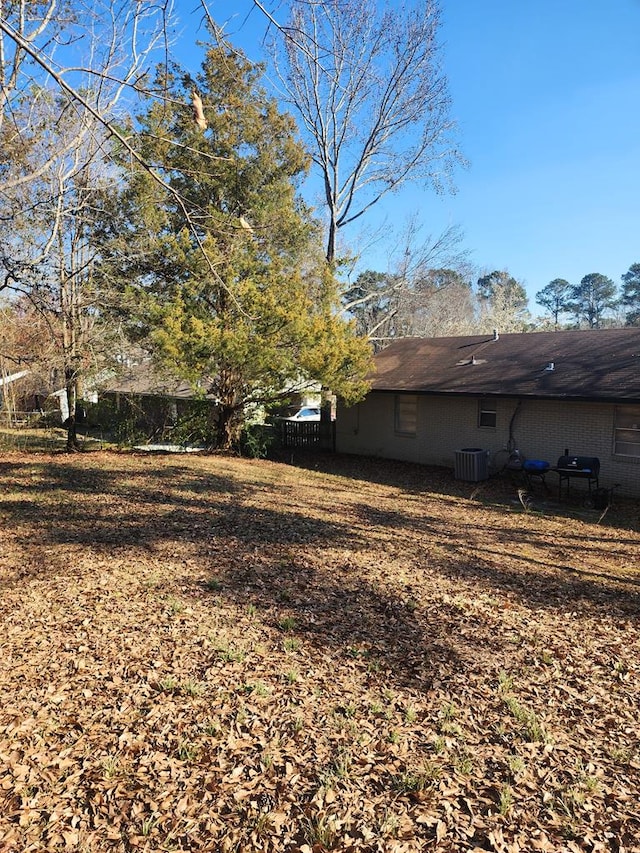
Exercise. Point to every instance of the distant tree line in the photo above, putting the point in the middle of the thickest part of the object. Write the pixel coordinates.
(435, 301)
(595, 302)
(431, 301)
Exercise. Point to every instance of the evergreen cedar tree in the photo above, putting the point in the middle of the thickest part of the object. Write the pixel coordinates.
(227, 271)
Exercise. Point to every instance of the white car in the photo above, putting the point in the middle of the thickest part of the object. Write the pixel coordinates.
(307, 413)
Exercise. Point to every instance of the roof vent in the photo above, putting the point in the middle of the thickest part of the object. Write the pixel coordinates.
(551, 366)
(496, 336)
(467, 362)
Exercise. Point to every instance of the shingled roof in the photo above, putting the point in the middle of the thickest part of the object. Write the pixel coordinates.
(597, 364)
(145, 380)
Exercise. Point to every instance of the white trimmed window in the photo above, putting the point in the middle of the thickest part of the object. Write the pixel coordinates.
(487, 414)
(406, 414)
(626, 435)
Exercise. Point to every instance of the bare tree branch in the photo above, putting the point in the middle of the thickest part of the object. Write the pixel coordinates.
(99, 110)
(372, 100)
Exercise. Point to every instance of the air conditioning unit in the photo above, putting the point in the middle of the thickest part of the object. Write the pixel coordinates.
(472, 464)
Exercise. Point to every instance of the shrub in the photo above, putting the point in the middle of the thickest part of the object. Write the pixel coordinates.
(256, 440)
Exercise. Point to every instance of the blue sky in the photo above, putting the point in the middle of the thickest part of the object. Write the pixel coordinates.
(546, 95)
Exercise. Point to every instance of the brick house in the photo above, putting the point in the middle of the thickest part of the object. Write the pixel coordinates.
(539, 393)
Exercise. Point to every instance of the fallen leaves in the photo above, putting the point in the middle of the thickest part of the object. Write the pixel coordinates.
(219, 654)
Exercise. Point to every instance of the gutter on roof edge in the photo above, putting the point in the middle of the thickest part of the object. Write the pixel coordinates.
(506, 395)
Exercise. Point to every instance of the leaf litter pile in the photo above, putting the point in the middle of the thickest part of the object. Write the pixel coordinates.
(217, 654)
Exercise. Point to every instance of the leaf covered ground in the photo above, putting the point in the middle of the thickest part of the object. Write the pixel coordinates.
(216, 654)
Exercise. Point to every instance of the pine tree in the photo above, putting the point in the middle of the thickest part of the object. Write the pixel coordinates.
(592, 298)
(555, 298)
(630, 297)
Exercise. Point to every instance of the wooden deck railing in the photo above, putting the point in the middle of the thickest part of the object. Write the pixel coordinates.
(308, 434)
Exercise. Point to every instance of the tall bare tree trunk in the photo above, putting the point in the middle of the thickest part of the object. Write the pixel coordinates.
(373, 101)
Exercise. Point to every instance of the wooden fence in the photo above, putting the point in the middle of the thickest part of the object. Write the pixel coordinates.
(17, 420)
(311, 435)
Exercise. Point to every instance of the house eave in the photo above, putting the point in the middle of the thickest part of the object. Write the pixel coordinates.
(512, 395)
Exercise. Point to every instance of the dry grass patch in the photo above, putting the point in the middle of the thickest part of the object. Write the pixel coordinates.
(220, 654)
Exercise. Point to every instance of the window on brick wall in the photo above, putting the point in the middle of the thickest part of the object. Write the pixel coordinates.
(487, 416)
(626, 439)
(406, 414)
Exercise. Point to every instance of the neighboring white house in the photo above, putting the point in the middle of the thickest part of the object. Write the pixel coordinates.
(13, 377)
(5, 381)
(539, 393)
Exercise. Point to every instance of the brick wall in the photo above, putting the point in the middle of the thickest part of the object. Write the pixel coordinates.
(540, 430)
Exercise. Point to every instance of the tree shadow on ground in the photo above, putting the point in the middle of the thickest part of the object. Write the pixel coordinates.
(499, 489)
(334, 609)
(542, 573)
(168, 520)
(112, 479)
(270, 558)
(541, 585)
